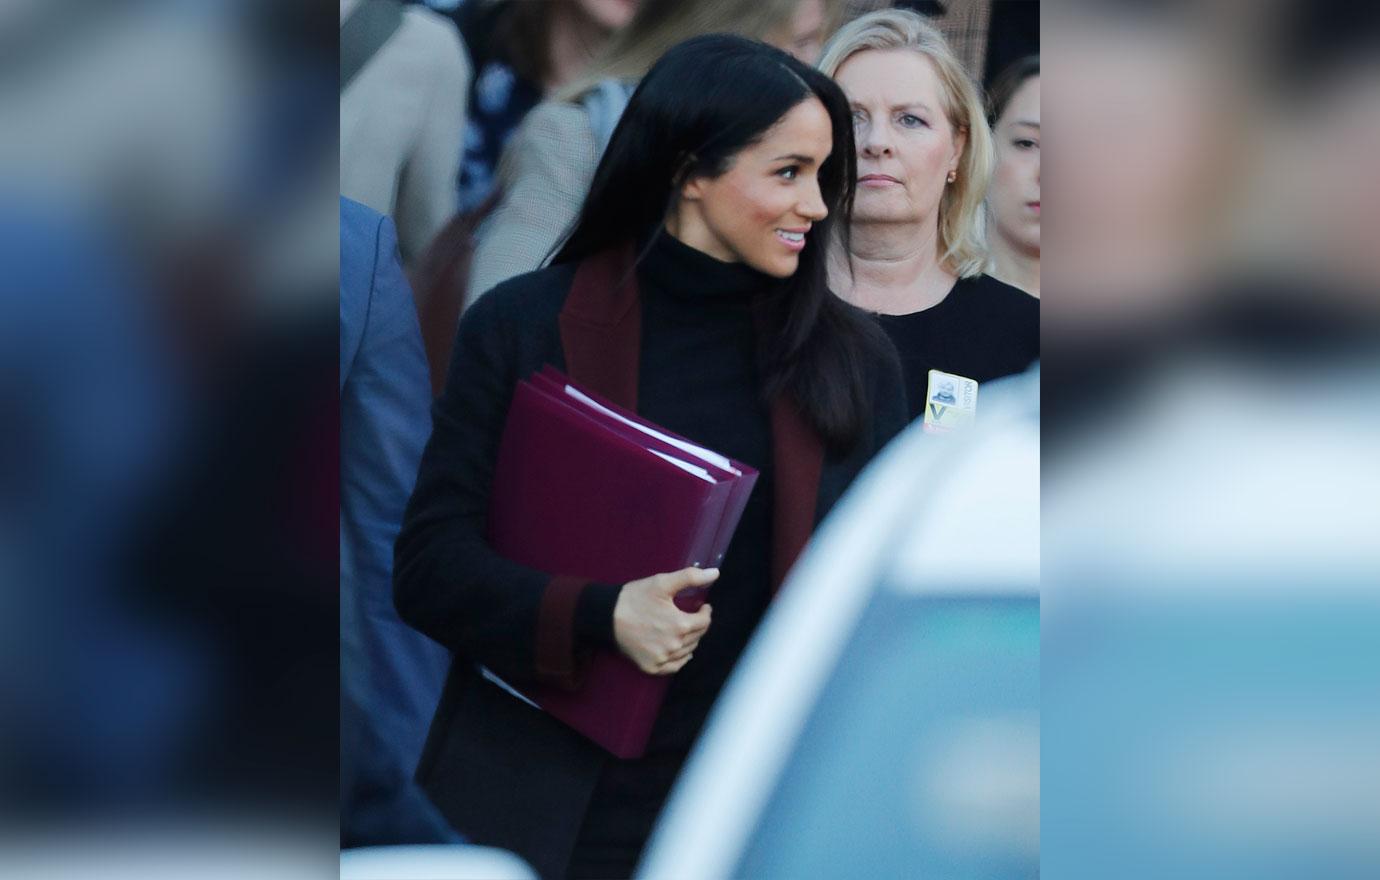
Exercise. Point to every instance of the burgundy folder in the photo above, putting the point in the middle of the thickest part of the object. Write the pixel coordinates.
(585, 488)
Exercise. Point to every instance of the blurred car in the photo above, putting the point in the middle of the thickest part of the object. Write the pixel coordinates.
(433, 861)
(884, 722)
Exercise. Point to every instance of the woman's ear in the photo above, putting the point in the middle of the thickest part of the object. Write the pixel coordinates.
(960, 142)
(690, 186)
(692, 190)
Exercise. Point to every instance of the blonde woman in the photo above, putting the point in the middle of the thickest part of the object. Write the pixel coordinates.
(548, 165)
(914, 252)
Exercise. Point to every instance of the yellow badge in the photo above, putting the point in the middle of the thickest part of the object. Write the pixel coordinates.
(950, 402)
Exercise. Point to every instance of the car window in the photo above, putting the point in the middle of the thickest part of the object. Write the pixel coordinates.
(921, 757)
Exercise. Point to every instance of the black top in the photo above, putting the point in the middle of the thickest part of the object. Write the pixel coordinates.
(504, 774)
(983, 330)
(698, 377)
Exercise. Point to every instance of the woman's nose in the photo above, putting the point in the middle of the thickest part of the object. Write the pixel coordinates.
(812, 207)
(873, 142)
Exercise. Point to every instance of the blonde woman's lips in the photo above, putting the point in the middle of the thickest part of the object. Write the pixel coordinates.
(878, 180)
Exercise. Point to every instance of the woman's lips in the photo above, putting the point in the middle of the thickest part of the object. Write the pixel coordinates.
(793, 239)
(878, 180)
(1033, 206)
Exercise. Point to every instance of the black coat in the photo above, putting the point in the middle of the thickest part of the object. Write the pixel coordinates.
(503, 773)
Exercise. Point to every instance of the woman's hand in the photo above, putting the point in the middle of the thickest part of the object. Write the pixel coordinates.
(651, 630)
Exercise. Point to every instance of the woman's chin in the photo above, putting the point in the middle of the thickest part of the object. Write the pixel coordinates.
(869, 211)
(779, 268)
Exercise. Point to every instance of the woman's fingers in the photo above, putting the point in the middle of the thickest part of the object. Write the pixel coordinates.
(674, 666)
(672, 582)
(683, 652)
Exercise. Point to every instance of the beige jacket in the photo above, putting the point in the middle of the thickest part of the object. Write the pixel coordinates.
(401, 126)
(547, 168)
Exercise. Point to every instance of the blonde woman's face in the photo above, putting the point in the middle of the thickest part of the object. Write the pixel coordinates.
(906, 145)
(1015, 194)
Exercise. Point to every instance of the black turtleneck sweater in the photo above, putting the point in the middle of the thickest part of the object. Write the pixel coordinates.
(698, 377)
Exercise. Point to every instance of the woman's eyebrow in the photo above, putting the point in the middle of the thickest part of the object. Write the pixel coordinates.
(795, 157)
(910, 105)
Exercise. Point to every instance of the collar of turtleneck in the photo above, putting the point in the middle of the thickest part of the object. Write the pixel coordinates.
(675, 268)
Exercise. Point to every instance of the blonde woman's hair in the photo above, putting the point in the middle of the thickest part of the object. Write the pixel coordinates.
(661, 24)
(961, 234)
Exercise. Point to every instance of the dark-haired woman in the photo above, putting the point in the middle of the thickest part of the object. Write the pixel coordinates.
(1013, 199)
(693, 288)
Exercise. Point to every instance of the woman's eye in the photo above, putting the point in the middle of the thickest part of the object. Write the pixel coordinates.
(790, 172)
(859, 117)
(910, 120)
(1026, 144)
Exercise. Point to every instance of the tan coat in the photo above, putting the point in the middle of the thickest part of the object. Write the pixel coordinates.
(401, 127)
(547, 168)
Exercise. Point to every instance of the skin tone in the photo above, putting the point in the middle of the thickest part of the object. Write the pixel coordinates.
(756, 212)
(803, 36)
(760, 209)
(906, 148)
(1148, 159)
(579, 29)
(1014, 198)
(651, 630)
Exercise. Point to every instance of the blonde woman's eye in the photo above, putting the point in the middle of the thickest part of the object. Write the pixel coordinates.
(910, 120)
(1026, 144)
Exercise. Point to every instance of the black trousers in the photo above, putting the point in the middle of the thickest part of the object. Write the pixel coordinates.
(622, 811)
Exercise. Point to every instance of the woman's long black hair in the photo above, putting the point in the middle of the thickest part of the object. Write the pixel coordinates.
(702, 103)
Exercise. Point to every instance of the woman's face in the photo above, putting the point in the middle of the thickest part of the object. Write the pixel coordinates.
(608, 15)
(758, 211)
(803, 34)
(906, 145)
(1015, 194)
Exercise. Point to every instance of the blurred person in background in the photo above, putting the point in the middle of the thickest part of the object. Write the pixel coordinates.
(184, 451)
(522, 51)
(390, 674)
(1155, 94)
(548, 167)
(404, 80)
(91, 411)
(713, 205)
(1013, 200)
(914, 253)
(1155, 156)
(1316, 232)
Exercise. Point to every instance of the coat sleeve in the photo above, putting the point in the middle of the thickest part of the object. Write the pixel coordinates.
(427, 182)
(544, 177)
(448, 582)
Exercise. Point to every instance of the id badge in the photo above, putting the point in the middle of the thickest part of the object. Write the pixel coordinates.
(950, 402)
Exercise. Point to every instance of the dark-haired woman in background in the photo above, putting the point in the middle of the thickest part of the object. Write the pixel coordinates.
(693, 288)
(1013, 200)
(521, 51)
